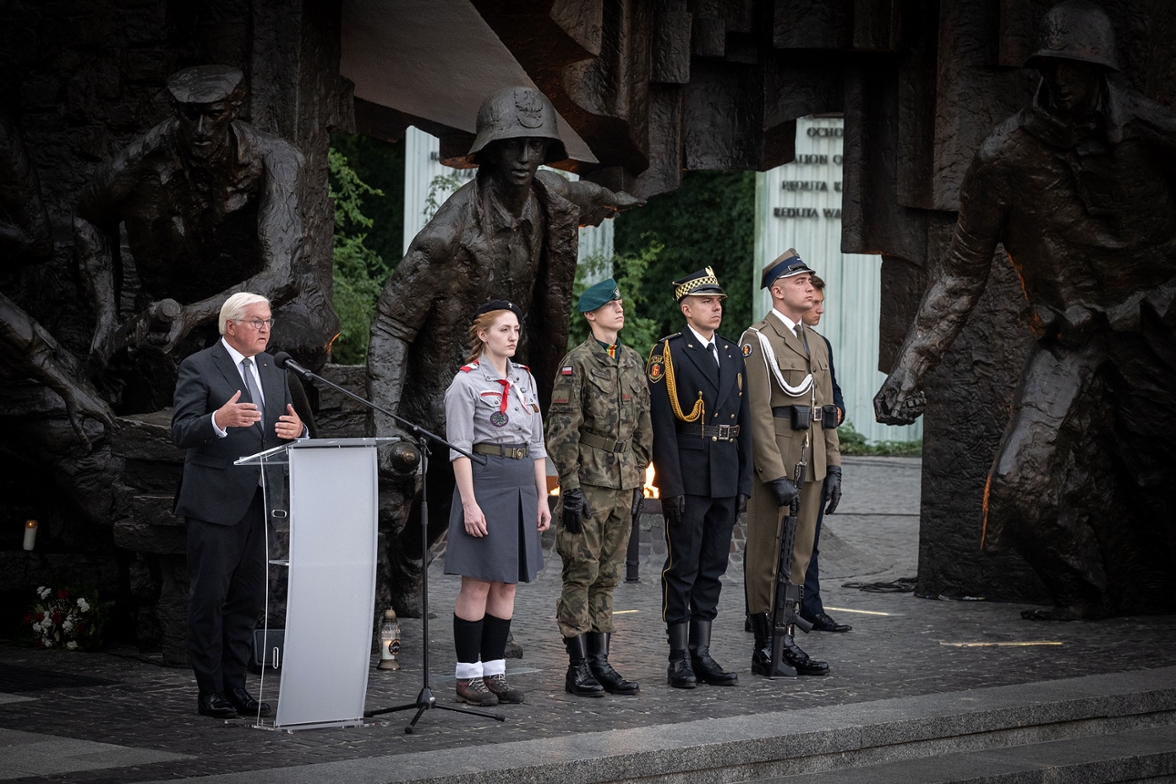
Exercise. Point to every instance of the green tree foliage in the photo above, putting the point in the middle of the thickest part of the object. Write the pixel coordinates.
(359, 272)
(854, 443)
(380, 164)
(708, 222)
(629, 271)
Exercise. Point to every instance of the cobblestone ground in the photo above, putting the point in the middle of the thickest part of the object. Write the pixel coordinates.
(900, 646)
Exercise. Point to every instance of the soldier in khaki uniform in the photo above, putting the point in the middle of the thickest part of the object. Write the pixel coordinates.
(600, 438)
(791, 398)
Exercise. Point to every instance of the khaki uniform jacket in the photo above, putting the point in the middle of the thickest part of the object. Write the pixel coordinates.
(776, 447)
(600, 396)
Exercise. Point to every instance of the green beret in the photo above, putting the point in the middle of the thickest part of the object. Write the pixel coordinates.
(597, 295)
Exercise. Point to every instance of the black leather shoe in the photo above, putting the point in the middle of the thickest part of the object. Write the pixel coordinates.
(823, 623)
(215, 706)
(245, 704)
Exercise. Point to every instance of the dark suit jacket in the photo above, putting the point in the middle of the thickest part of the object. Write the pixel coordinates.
(687, 464)
(212, 488)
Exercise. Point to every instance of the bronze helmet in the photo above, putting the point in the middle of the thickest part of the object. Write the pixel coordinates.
(1077, 30)
(516, 113)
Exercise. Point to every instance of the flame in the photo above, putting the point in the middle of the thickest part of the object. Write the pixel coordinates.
(649, 490)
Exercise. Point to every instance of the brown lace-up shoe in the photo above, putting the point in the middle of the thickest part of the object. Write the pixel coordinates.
(501, 689)
(473, 691)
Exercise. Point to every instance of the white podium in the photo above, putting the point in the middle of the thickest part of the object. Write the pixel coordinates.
(330, 601)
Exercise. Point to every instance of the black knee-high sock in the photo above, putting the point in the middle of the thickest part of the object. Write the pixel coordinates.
(467, 638)
(495, 632)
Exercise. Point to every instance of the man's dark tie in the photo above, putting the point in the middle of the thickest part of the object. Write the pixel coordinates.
(251, 385)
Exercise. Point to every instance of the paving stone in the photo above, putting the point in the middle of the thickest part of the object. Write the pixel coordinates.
(902, 650)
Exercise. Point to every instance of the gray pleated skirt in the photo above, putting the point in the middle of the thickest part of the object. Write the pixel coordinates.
(511, 551)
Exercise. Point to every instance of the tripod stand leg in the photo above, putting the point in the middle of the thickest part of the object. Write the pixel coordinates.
(408, 730)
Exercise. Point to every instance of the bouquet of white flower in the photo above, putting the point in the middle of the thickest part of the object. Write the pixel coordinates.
(61, 619)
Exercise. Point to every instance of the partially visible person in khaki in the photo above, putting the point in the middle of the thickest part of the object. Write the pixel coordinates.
(792, 354)
(600, 438)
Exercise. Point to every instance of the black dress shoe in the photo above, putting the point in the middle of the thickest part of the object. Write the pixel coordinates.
(245, 704)
(215, 706)
(823, 623)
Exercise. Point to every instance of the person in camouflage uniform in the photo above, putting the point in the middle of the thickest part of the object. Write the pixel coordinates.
(600, 437)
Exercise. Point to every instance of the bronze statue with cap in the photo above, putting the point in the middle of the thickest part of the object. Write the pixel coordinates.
(209, 205)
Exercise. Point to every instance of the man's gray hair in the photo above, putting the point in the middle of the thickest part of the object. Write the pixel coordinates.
(234, 307)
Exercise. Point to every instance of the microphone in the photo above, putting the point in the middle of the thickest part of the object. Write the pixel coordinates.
(283, 360)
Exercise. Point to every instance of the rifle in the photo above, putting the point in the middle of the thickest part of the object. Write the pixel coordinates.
(786, 602)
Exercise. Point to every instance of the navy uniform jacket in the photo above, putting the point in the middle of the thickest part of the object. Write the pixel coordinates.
(687, 464)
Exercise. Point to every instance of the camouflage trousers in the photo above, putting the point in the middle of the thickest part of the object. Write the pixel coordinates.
(592, 561)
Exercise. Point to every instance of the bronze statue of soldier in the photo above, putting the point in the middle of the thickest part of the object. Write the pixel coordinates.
(511, 233)
(210, 207)
(29, 349)
(1080, 187)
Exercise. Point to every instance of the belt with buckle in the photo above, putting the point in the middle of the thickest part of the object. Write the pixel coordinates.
(785, 412)
(503, 450)
(600, 442)
(713, 432)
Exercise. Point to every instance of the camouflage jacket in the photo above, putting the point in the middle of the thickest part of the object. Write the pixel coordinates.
(597, 399)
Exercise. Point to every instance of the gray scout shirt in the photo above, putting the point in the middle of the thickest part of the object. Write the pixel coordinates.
(473, 403)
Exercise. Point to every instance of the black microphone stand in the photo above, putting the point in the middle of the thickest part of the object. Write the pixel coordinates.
(425, 699)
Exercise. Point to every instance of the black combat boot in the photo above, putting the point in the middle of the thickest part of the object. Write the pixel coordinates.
(761, 655)
(705, 668)
(604, 673)
(800, 660)
(579, 679)
(680, 674)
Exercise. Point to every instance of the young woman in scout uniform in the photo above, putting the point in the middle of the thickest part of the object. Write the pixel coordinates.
(500, 508)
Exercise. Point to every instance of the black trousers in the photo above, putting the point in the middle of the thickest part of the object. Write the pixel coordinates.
(226, 571)
(696, 560)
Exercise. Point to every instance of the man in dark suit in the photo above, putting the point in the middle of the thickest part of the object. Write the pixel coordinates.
(230, 401)
(702, 458)
(812, 609)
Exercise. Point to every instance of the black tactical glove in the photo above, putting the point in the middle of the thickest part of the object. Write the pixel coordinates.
(832, 488)
(573, 511)
(638, 502)
(673, 508)
(783, 490)
(740, 504)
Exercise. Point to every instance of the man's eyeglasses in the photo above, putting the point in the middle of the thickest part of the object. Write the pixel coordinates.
(259, 323)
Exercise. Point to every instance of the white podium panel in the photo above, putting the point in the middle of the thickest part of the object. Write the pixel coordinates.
(330, 600)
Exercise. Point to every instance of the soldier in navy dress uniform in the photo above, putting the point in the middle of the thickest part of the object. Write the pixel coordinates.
(500, 508)
(702, 458)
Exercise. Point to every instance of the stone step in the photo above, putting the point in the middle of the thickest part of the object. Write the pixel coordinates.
(1138, 756)
(849, 738)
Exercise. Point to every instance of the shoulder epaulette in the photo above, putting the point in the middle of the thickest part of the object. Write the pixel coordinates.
(467, 368)
(662, 341)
